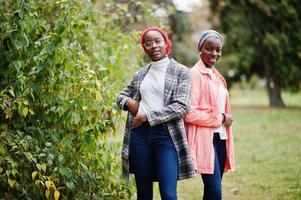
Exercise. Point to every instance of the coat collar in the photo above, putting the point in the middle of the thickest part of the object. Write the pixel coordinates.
(170, 77)
(202, 69)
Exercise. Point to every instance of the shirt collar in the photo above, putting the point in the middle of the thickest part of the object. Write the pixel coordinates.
(160, 63)
(203, 69)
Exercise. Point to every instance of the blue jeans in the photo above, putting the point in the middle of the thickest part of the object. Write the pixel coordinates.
(213, 182)
(153, 156)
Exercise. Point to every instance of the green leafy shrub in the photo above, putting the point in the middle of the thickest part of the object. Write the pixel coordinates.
(62, 63)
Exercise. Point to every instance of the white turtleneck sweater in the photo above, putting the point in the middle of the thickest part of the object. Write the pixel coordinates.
(152, 87)
(221, 102)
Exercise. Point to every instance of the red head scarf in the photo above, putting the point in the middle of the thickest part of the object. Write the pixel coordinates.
(159, 29)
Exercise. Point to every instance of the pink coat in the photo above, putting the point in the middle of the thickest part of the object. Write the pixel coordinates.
(203, 118)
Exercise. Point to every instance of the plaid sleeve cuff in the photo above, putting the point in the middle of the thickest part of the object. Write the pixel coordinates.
(123, 102)
(149, 119)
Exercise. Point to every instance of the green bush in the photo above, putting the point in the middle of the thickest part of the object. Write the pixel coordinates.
(62, 63)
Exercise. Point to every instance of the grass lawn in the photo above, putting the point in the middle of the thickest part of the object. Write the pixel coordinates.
(268, 151)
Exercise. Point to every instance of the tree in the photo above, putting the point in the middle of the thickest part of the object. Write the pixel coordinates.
(181, 31)
(263, 33)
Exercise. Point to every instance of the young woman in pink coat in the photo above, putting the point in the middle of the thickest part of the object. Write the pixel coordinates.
(208, 124)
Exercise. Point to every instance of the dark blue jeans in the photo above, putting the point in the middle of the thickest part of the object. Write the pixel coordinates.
(213, 182)
(153, 156)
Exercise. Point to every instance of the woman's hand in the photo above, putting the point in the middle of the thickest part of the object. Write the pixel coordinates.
(139, 119)
(132, 106)
(229, 120)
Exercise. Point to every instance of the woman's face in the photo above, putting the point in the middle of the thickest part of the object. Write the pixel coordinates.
(154, 45)
(211, 51)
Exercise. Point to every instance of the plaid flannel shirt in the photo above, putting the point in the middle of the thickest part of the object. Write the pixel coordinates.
(176, 105)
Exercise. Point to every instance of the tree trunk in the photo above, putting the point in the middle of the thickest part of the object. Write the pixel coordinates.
(273, 85)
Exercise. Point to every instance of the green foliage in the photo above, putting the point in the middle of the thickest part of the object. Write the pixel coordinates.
(261, 38)
(62, 63)
(183, 54)
(181, 28)
(180, 25)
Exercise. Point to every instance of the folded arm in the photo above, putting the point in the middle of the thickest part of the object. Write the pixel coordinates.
(126, 94)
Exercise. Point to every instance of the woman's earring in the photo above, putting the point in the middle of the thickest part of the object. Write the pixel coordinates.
(200, 53)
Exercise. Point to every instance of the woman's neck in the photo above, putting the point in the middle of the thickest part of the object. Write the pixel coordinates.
(163, 60)
(159, 59)
(208, 66)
